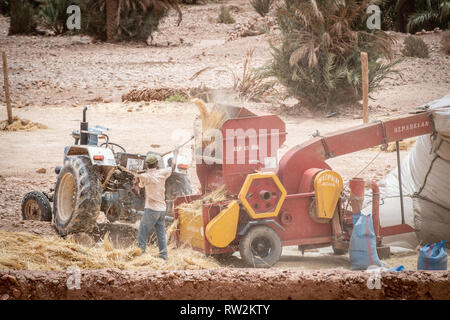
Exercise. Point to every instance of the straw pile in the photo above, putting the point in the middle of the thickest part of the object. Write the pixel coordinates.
(195, 207)
(25, 251)
(21, 125)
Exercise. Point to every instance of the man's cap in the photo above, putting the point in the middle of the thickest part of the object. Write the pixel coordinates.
(152, 158)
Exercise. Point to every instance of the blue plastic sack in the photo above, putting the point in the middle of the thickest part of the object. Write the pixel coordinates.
(363, 244)
(397, 268)
(433, 257)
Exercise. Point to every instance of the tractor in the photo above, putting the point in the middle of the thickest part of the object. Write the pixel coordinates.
(99, 177)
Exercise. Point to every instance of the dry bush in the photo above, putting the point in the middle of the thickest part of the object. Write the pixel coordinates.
(415, 47)
(252, 84)
(445, 41)
(225, 16)
(262, 6)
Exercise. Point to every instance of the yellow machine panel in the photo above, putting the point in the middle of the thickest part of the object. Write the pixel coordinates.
(252, 189)
(191, 229)
(327, 186)
(221, 230)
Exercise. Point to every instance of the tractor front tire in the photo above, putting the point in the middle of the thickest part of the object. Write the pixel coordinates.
(36, 206)
(78, 195)
(260, 247)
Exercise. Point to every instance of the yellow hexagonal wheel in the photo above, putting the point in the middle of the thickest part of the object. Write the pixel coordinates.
(262, 195)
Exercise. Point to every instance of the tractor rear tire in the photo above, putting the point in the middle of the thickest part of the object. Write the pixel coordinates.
(36, 206)
(260, 247)
(78, 196)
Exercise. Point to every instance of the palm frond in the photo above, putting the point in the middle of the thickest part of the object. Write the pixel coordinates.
(422, 20)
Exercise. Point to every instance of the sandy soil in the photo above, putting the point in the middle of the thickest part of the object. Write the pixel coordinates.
(52, 78)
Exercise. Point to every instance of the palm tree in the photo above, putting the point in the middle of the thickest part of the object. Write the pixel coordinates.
(317, 57)
(112, 19)
(425, 14)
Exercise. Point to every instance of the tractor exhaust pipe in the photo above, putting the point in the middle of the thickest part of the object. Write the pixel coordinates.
(84, 126)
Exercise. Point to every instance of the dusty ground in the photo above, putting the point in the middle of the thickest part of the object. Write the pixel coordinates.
(52, 78)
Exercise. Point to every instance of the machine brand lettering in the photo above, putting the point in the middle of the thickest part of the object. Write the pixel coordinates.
(257, 146)
(328, 178)
(411, 126)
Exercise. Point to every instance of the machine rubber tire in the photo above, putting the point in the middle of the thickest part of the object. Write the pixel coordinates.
(36, 206)
(265, 236)
(78, 195)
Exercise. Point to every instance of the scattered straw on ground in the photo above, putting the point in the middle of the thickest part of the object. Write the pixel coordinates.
(21, 125)
(25, 251)
(392, 147)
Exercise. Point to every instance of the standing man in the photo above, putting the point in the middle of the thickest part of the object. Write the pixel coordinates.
(155, 203)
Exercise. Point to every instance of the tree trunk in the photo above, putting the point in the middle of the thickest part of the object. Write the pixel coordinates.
(12, 14)
(112, 20)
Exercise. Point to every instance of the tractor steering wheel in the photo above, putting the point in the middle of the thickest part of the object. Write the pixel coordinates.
(113, 146)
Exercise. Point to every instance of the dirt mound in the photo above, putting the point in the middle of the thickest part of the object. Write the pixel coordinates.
(246, 284)
(21, 125)
(25, 251)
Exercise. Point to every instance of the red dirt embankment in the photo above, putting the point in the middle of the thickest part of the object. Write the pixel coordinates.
(224, 284)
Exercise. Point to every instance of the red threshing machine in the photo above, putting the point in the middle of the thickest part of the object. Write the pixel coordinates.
(298, 201)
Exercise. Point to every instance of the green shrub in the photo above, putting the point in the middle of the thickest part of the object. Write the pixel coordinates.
(225, 16)
(54, 15)
(445, 41)
(178, 97)
(4, 7)
(23, 18)
(138, 18)
(317, 57)
(262, 6)
(428, 15)
(415, 47)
